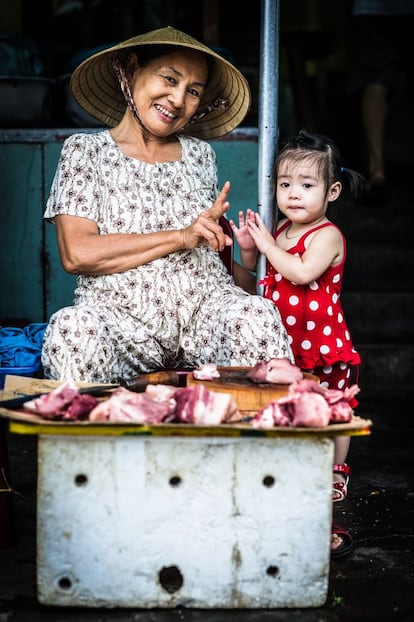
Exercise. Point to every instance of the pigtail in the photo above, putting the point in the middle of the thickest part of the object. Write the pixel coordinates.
(353, 184)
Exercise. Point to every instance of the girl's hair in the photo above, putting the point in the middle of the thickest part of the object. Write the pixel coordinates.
(312, 149)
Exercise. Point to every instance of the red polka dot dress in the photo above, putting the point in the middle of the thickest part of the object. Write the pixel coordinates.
(312, 313)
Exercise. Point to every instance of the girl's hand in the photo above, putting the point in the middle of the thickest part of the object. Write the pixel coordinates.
(242, 232)
(261, 235)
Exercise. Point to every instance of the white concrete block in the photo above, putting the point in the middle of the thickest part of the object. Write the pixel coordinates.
(202, 522)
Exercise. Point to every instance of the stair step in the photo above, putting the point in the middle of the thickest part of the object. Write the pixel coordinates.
(378, 266)
(386, 369)
(379, 317)
(378, 224)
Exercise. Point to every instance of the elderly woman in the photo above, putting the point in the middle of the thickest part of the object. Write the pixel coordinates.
(137, 208)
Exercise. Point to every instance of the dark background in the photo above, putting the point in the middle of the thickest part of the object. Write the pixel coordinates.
(314, 37)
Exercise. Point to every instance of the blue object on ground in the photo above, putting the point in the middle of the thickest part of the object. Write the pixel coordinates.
(21, 347)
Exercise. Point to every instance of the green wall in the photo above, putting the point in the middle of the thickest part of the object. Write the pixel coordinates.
(34, 285)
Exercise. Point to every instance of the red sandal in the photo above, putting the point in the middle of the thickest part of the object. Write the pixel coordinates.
(340, 489)
(346, 545)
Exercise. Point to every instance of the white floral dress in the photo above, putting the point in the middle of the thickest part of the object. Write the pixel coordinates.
(181, 310)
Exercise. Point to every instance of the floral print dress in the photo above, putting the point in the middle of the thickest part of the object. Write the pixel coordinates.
(181, 310)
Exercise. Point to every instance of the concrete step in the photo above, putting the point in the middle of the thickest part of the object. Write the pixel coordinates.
(386, 369)
(385, 223)
(378, 266)
(379, 317)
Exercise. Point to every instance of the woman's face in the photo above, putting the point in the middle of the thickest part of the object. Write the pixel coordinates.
(168, 90)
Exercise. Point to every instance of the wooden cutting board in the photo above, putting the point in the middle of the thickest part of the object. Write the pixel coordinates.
(248, 395)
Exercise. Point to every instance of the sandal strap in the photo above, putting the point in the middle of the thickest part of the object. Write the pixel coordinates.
(342, 468)
(339, 492)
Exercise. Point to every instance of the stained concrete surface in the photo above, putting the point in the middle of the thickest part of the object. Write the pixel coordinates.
(375, 582)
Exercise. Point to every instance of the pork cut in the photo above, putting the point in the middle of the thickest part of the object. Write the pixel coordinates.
(129, 407)
(307, 404)
(208, 371)
(63, 403)
(275, 371)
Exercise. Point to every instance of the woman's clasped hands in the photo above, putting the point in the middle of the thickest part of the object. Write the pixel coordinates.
(205, 229)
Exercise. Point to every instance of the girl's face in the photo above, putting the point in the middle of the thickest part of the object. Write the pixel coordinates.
(301, 193)
(168, 90)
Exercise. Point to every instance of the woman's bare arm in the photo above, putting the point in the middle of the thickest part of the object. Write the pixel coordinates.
(83, 250)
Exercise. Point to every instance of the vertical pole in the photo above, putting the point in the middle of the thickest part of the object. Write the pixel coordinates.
(268, 116)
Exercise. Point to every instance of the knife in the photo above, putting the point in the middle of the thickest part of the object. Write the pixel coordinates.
(17, 402)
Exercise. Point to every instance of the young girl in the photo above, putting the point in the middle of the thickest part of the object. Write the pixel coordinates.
(305, 262)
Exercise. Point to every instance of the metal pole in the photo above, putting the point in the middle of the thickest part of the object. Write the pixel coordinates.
(268, 116)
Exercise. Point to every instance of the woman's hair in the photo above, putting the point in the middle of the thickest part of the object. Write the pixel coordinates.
(316, 149)
(147, 53)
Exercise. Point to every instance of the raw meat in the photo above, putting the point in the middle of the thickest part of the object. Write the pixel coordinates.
(307, 404)
(198, 405)
(63, 403)
(130, 407)
(275, 371)
(206, 372)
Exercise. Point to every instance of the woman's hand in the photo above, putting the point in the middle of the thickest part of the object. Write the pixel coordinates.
(205, 229)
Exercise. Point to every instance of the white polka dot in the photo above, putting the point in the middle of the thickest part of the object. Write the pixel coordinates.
(342, 366)
(347, 335)
(327, 330)
(290, 339)
(275, 295)
(340, 317)
(324, 349)
(278, 276)
(306, 345)
(325, 385)
(341, 384)
(313, 285)
(327, 369)
(335, 298)
(327, 289)
(329, 310)
(339, 343)
(310, 325)
(314, 305)
(290, 320)
(293, 300)
(336, 278)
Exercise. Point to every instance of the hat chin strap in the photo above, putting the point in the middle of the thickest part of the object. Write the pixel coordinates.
(217, 103)
(126, 90)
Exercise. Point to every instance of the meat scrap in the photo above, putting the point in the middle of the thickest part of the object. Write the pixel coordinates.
(275, 371)
(158, 404)
(64, 403)
(198, 405)
(307, 404)
(124, 406)
(164, 404)
(208, 371)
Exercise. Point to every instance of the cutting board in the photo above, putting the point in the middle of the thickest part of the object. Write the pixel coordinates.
(249, 396)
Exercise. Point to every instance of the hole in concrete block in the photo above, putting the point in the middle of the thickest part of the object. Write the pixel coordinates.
(175, 480)
(65, 583)
(268, 481)
(171, 579)
(81, 479)
(272, 571)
